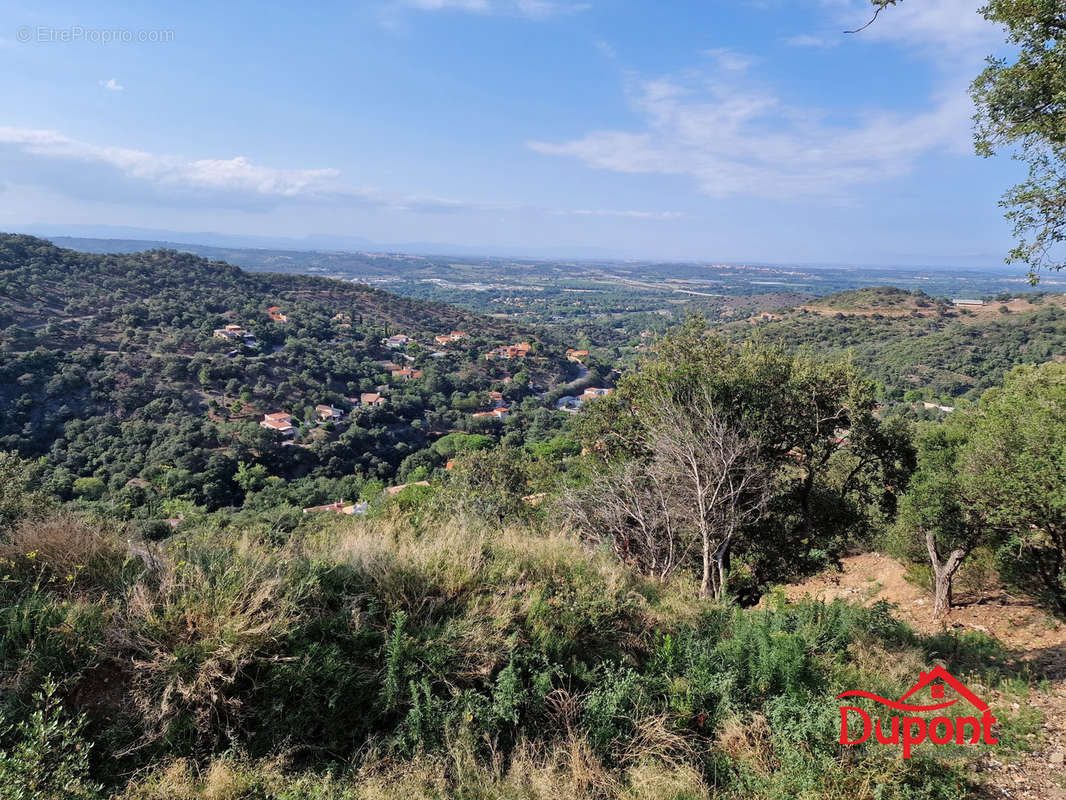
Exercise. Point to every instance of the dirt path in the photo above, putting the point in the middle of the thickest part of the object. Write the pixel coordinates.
(1032, 636)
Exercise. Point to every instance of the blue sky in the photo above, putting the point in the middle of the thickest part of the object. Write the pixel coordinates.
(707, 130)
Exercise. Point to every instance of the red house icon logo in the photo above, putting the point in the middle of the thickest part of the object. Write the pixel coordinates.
(913, 730)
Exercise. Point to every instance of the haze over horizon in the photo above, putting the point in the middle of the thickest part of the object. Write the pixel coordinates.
(94, 238)
(746, 131)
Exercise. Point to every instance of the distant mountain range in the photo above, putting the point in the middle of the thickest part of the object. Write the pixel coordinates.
(147, 238)
(88, 238)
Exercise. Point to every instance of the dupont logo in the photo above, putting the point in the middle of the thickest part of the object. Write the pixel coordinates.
(909, 731)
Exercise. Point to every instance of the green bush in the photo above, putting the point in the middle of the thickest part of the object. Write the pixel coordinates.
(46, 756)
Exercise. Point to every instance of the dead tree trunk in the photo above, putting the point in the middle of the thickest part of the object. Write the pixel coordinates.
(721, 562)
(943, 574)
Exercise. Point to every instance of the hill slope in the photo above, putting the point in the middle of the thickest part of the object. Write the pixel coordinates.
(113, 367)
(909, 341)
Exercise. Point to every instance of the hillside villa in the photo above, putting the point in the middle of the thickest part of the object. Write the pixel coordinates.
(274, 312)
(593, 392)
(397, 342)
(235, 333)
(498, 413)
(448, 338)
(937, 407)
(406, 374)
(509, 351)
(279, 422)
(328, 413)
(371, 400)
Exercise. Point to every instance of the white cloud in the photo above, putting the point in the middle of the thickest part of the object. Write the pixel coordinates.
(812, 40)
(112, 85)
(735, 139)
(952, 25)
(729, 60)
(234, 174)
(40, 158)
(605, 212)
(606, 48)
(951, 34)
(532, 9)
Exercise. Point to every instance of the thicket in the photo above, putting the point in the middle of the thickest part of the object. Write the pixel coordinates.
(455, 659)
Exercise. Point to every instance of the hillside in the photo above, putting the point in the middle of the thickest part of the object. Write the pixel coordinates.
(558, 610)
(876, 297)
(911, 342)
(118, 366)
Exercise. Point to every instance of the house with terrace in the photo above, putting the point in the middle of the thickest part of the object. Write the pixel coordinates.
(327, 413)
(279, 422)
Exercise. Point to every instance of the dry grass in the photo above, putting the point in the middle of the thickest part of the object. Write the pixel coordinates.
(496, 579)
(568, 770)
(194, 630)
(746, 740)
(64, 549)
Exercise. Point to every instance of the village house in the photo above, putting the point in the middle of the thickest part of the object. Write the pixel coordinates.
(576, 355)
(497, 399)
(274, 312)
(448, 338)
(406, 374)
(593, 392)
(397, 342)
(569, 404)
(498, 413)
(328, 413)
(235, 333)
(509, 351)
(371, 400)
(279, 422)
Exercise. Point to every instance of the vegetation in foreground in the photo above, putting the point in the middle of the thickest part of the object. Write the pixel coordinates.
(372, 659)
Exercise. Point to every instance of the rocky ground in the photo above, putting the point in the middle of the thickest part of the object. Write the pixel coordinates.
(1037, 643)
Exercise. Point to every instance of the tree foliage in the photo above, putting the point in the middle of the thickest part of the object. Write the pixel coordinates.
(996, 476)
(831, 462)
(1021, 105)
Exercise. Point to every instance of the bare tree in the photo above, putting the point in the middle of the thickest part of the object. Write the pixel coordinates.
(630, 509)
(719, 482)
(700, 485)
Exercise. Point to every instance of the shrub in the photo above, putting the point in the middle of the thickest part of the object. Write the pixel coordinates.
(47, 756)
(198, 628)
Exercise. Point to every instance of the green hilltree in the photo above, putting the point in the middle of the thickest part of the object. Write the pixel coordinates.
(1015, 465)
